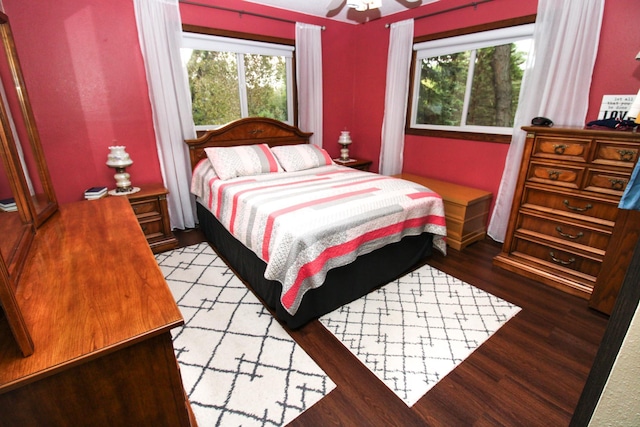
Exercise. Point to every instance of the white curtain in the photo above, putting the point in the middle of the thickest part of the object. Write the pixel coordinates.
(160, 32)
(309, 76)
(396, 96)
(555, 86)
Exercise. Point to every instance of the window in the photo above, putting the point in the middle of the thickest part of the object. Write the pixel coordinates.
(234, 78)
(470, 83)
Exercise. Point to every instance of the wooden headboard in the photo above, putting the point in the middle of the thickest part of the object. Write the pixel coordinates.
(252, 130)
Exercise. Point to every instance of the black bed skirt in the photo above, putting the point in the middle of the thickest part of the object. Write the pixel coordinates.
(342, 285)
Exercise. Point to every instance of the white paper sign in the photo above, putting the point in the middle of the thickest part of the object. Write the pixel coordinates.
(615, 106)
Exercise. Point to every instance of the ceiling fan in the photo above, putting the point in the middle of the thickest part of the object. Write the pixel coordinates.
(370, 8)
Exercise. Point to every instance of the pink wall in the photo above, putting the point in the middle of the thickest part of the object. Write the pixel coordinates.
(84, 70)
(85, 76)
(616, 72)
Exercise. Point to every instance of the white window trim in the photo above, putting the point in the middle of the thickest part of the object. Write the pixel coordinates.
(228, 44)
(458, 44)
(198, 41)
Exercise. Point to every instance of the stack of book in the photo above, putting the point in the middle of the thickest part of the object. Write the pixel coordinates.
(8, 205)
(95, 193)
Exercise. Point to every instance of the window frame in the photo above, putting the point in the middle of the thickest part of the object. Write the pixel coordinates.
(261, 45)
(467, 133)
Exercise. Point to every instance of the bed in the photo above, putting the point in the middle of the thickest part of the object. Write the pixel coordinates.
(266, 183)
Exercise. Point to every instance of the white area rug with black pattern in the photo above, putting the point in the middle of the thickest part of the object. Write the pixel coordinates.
(412, 332)
(238, 365)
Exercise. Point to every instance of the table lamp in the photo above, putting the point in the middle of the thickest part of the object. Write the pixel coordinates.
(119, 159)
(344, 140)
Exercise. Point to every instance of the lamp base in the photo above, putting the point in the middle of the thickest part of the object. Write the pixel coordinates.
(344, 154)
(119, 192)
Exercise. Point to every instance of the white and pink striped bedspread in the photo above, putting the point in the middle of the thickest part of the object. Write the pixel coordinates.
(303, 224)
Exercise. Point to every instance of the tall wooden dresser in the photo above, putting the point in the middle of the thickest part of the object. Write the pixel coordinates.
(566, 205)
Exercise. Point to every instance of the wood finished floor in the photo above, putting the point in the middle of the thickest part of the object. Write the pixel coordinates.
(530, 373)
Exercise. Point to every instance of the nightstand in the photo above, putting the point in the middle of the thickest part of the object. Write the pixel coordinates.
(150, 206)
(361, 164)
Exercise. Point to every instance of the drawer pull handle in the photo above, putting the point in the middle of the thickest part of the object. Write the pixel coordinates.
(559, 261)
(559, 148)
(627, 155)
(553, 174)
(617, 184)
(575, 208)
(569, 236)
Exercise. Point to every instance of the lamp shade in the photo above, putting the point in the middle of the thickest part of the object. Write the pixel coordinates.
(344, 138)
(118, 157)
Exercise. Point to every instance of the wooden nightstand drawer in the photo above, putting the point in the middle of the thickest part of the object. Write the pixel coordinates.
(150, 207)
(152, 227)
(145, 208)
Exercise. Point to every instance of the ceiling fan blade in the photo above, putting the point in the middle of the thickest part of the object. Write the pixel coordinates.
(365, 16)
(410, 4)
(335, 7)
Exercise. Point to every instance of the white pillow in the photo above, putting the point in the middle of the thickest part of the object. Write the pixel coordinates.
(242, 160)
(300, 157)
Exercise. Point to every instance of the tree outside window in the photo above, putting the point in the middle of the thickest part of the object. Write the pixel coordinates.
(473, 89)
(227, 85)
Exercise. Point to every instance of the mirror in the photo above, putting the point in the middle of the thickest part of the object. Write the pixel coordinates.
(39, 197)
(27, 198)
(16, 228)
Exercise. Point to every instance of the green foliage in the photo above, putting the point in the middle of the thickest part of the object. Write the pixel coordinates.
(213, 81)
(442, 86)
(266, 86)
(494, 90)
(215, 91)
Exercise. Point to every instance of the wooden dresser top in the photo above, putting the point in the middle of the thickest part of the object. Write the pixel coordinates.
(90, 285)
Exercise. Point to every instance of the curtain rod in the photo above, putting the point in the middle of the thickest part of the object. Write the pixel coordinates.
(473, 4)
(241, 12)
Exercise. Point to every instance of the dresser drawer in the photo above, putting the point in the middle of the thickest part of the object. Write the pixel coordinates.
(560, 230)
(571, 205)
(559, 259)
(616, 153)
(606, 182)
(561, 148)
(148, 207)
(555, 174)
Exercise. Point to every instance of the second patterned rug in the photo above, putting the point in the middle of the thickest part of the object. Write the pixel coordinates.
(412, 332)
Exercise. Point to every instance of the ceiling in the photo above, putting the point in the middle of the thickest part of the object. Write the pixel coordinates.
(322, 8)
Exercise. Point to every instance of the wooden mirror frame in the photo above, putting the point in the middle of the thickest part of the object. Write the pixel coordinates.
(30, 183)
(25, 136)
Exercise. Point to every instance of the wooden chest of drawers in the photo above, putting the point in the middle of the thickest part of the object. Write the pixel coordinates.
(150, 207)
(566, 205)
(466, 210)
